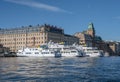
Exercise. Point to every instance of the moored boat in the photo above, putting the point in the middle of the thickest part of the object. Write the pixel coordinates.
(65, 50)
(93, 52)
(37, 52)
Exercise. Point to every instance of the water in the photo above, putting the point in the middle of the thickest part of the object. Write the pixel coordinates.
(83, 69)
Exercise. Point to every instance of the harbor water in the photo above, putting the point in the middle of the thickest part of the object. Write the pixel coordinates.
(63, 69)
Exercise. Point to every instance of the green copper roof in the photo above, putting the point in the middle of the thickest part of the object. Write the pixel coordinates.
(98, 38)
(90, 26)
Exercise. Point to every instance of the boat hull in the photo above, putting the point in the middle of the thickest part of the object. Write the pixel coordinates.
(34, 55)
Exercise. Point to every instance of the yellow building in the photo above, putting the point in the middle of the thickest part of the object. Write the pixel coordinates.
(32, 36)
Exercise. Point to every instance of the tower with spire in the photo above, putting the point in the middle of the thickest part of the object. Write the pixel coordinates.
(91, 30)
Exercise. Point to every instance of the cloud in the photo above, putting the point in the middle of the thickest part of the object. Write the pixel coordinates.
(34, 4)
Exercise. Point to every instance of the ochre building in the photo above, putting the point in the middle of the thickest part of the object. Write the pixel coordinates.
(33, 36)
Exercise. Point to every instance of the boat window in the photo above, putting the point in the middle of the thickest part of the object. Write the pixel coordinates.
(36, 52)
(61, 52)
(28, 52)
(95, 52)
(73, 51)
(52, 52)
(89, 52)
(45, 52)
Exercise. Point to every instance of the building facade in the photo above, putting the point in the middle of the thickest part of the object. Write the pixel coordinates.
(33, 36)
(87, 37)
(113, 47)
(84, 39)
(69, 39)
(118, 48)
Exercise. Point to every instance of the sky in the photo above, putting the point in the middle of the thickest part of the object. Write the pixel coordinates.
(71, 15)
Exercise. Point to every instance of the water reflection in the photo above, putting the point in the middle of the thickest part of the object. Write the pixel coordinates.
(59, 69)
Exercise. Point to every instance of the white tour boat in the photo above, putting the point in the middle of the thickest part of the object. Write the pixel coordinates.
(65, 50)
(68, 52)
(93, 52)
(38, 52)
